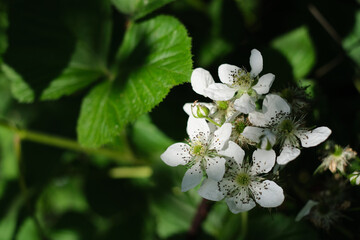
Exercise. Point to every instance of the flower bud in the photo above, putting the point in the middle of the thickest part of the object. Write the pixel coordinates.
(202, 111)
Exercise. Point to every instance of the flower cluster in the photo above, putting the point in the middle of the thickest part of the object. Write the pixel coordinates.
(232, 139)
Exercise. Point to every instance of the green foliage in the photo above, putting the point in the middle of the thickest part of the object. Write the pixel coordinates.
(154, 56)
(139, 8)
(298, 49)
(91, 26)
(3, 26)
(20, 90)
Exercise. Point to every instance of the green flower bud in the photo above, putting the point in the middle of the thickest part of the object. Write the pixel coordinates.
(201, 111)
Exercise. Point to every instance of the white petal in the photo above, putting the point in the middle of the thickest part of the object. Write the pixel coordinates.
(176, 154)
(264, 84)
(187, 108)
(197, 128)
(236, 205)
(219, 92)
(313, 137)
(254, 134)
(262, 161)
(256, 62)
(274, 109)
(287, 154)
(267, 193)
(201, 79)
(215, 168)
(226, 73)
(269, 138)
(234, 151)
(192, 177)
(260, 135)
(245, 104)
(221, 137)
(210, 190)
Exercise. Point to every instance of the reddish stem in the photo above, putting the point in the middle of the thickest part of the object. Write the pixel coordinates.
(199, 218)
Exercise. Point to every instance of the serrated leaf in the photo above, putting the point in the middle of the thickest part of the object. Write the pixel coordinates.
(91, 25)
(139, 8)
(20, 90)
(298, 49)
(154, 56)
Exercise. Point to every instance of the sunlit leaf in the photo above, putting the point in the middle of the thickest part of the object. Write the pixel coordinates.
(139, 8)
(91, 25)
(298, 49)
(154, 56)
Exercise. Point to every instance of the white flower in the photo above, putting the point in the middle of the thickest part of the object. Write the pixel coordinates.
(201, 153)
(275, 116)
(355, 178)
(247, 84)
(242, 184)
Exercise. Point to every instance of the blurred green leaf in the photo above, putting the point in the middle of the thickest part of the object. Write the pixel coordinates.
(139, 8)
(351, 42)
(148, 138)
(91, 25)
(20, 90)
(8, 222)
(8, 158)
(61, 195)
(298, 49)
(28, 231)
(278, 226)
(174, 212)
(154, 56)
(3, 26)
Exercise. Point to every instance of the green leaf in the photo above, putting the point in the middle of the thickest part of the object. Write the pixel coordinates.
(8, 163)
(3, 26)
(174, 212)
(20, 90)
(139, 8)
(28, 231)
(298, 49)
(352, 42)
(91, 25)
(148, 138)
(154, 56)
(8, 222)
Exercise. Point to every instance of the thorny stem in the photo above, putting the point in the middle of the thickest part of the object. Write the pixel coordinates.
(200, 216)
(66, 143)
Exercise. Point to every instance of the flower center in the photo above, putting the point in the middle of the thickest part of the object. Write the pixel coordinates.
(198, 149)
(286, 126)
(242, 80)
(243, 179)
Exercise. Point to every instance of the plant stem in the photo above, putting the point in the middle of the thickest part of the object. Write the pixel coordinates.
(199, 218)
(244, 224)
(212, 121)
(67, 144)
